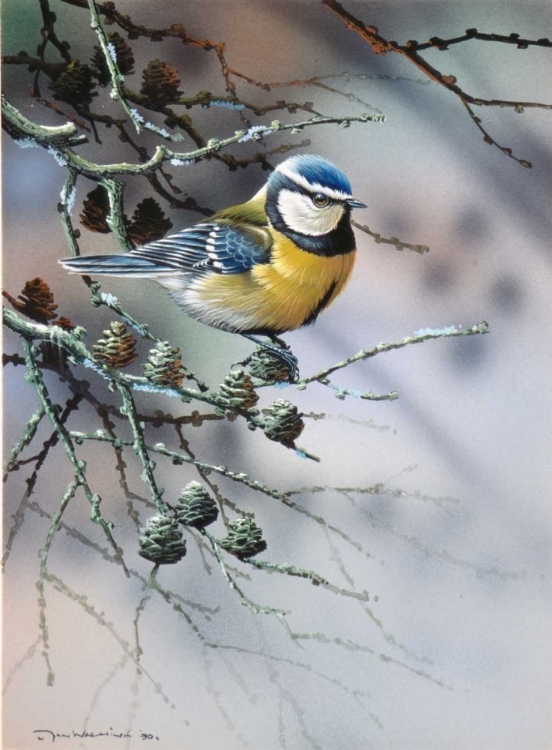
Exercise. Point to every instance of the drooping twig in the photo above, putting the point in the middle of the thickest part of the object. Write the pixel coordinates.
(129, 410)
(79, 466)
(19, 516)
(315, 578)
(85, 604)
(43, 555)
(19, 126)
(251, 606)
(350, 645)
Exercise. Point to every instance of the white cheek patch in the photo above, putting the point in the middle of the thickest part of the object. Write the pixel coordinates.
(300, 215)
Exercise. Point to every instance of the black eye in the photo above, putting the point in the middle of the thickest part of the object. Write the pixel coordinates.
(320, 200)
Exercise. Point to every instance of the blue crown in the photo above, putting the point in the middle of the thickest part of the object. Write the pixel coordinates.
(315, 169)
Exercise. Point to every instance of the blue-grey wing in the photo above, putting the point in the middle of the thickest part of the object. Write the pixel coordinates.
(209, 247)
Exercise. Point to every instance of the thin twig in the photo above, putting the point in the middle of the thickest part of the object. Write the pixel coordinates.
(140, 448)
(381, 46)
(180, 458)
(395, 241)
(417, 338)
(315, 578)
(35, 379)
(26, 438)
(43, 555)
(256, 609)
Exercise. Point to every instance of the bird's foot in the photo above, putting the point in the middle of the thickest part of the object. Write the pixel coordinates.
(272, 361)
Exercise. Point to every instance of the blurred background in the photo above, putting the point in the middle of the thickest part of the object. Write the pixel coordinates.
(453, 545)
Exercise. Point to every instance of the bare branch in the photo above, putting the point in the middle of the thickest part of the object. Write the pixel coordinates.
(381, 46)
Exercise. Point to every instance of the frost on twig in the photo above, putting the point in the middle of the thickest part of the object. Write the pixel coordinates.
(240, 531)
(417, 338)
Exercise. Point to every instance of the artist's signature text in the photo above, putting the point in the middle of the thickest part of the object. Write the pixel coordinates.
(49, 735)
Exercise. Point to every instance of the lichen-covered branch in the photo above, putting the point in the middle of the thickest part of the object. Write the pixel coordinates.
(417, 338)
(21, 127)
(70, 341)
(129, 410)
(315, 578)
(34, 377)
(181, 458)
(26, 438)
(47, 136)
(251, 606)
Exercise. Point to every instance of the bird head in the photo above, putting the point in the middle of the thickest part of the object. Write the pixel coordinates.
(309, 196)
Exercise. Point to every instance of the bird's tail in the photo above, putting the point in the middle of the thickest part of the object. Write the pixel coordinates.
(116, 265)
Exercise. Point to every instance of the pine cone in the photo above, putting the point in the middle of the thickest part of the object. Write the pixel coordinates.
(148, 222)
(283, 422)
(160, 82)
(95, 209)
(196, 507)
(161, 541)
(65, 323)
(124, 59)
(265, 365)
(36, 301)
(74, 85)
(164, 366)
(237, 391)
(244, 538)
(117, 348)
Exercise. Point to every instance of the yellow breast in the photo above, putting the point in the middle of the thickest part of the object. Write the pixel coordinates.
(279, 296)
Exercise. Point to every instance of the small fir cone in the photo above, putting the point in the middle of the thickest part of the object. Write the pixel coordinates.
(244, 538)
(36, 301)
(65, 323)
(117, 347)
(196, 507)
(161, 541)
(148, 222)
(164, 366)
(265, 365)
(237, 391)
(95, 209)
(124, 59)
(74, 85)
(160, 82)
(283, 422)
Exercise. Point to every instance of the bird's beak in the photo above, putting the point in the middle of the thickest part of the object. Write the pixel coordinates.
(353, 203)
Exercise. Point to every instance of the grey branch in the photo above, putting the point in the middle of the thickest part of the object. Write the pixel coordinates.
(26, 438)
(315, 578)
(180, 458)
(20, 127)
(417, 338)
(256, 609)
(34, 377)
(43, 135)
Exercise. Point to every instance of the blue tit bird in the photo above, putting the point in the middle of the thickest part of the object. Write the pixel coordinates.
(260, 268)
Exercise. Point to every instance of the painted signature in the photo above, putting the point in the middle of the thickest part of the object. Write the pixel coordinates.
(50, 735)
